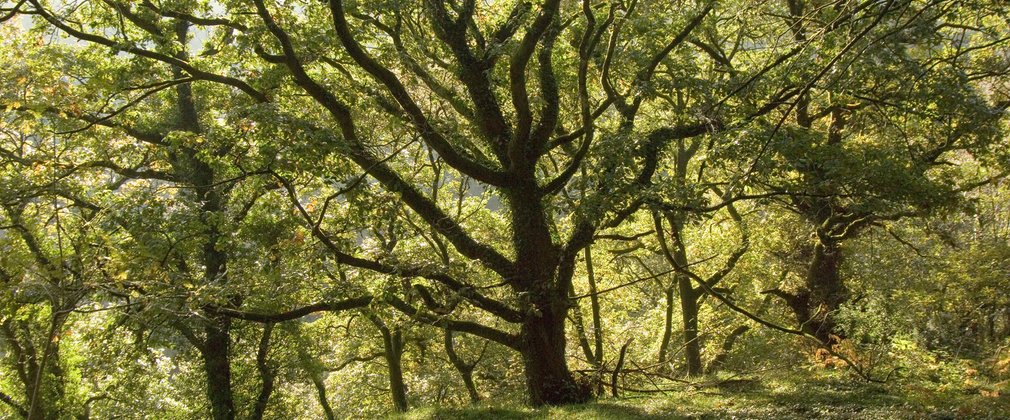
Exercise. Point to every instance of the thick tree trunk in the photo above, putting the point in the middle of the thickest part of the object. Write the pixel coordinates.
(542, 344)
(217, 367)
(543, 277)
(217, 345)
(815, 304)
(826, 293)
(198, 174)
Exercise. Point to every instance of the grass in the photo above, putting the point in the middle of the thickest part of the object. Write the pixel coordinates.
(790, 395)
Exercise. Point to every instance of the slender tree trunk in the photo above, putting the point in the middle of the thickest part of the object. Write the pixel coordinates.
(677, 256)
(45, 385)
(465, 369)
(617, 368)
(727, 345)
(580, 330)
(315, 372)
(324, 401)
(594, 353)
(471, 388)
(392, 346)
(594, 301)
(689, 315)
(267, 373)
(664, 344)
(597, 319)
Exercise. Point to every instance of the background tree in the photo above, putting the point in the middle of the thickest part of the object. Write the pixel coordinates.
(845, 183)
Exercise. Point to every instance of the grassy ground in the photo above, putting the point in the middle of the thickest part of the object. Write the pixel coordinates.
(796, 395)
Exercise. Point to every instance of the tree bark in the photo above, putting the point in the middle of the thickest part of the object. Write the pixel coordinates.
(594, 354)
(594, 300)
(312, 367)
(664, 343)
(689, 315)
(823, 292)
(543, 276)
(267, 373)
(677, 257)
(324, 401)
(548, 378)
(392, 346)
(826, 293)
(542, 344)
(217, 366)
(189, 167)
(471, 388)
(580, 331)
(618, 367)
(465, 369)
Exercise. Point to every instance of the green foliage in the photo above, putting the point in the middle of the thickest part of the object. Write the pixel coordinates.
(177, 178)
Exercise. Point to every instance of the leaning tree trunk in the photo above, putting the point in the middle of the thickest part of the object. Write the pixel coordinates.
(664, 343)
(267, 373)
(727, 346)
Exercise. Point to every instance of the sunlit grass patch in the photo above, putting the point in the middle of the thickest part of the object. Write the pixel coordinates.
(796, 394)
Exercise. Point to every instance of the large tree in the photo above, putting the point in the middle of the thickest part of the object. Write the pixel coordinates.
(551, 110)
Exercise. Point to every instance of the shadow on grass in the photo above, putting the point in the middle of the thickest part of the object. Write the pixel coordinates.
(596, 410)
(609, 410)
(476, 413)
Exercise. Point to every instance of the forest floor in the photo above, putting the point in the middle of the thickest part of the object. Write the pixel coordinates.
(794, 395)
